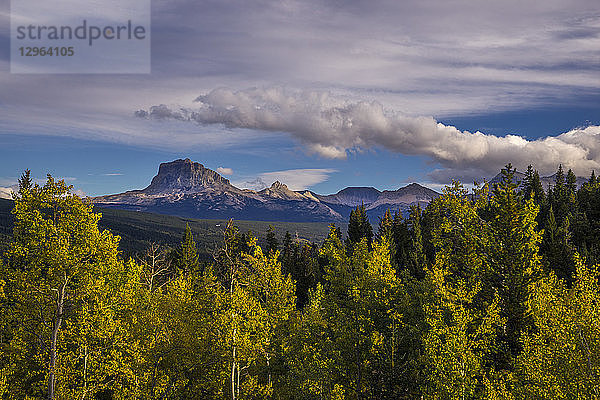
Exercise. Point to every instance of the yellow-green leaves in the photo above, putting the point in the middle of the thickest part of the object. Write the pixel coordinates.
(561, 357)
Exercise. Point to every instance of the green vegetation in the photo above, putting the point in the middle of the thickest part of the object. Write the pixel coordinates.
(486, 295)
(139, 229)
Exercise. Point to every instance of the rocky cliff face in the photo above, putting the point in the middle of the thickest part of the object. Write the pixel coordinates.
(185, 176)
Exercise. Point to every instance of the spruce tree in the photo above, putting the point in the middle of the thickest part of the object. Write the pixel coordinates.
(532, 186)
(514, 261)
(271, 240)
(386, 226)
(559, 179)
(592, 180)
(359, 227)
(558, 254)
(571, 182)
(187, 254)
(416, 255)
(401, 242)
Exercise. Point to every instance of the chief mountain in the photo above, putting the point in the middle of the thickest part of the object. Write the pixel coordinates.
(188, 189)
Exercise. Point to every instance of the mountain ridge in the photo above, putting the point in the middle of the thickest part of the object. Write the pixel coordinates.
(189, 189)
(546, 181)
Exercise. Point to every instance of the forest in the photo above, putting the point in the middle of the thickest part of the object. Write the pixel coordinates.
(489, 293)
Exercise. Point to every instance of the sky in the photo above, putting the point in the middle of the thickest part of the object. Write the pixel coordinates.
(320, 95)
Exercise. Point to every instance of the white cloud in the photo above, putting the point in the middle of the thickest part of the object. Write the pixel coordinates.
(295, 179)
(113, 174)
(79, 193)
(445, 59)
(331, 127)
(252, 184)
(13, 186)
(6, 192)
(425, 58)
(225, 171)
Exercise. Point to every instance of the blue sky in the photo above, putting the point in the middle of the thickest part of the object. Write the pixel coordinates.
(321, 95)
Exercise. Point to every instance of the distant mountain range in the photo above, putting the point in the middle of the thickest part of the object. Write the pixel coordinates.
(547, 181)
(187, 189)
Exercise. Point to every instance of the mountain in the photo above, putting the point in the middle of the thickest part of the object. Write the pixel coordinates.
(377, 202)
(352, 196)
(411, 194)
(186, 176)
(188, 189)
(547, 181)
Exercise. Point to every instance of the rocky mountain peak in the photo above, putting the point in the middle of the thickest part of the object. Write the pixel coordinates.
(279, 186)
(281, 191)
(184, 176)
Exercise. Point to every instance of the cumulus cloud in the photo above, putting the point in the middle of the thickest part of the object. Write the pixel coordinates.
(295, 179)
(225, 171)
(331, 127)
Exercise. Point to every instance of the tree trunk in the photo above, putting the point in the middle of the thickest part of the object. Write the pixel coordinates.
(233, 376)
(58, 316)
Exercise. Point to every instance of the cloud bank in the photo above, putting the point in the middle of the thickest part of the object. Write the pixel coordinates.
(295, 179)
(6, 192)
(333, 127)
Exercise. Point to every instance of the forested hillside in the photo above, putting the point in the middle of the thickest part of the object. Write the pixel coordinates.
(491, 294)
(138, 230)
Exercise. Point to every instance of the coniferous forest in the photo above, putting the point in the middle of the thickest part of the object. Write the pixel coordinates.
(492, 293)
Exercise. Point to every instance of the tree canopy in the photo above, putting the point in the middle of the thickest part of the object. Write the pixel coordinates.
(491, 294)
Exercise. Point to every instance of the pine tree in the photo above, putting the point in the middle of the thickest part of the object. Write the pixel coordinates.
(271, 240)
(187, 254)
(359, 227)
(561, 199)
(527, 182)
(416, 255)
(592, 180)
(559, 179)
(287, 248)
(557, 251)
(586, 225)
(401, 243)
(386, 226)
(571, 183)
(514, 261)
(533, 186)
